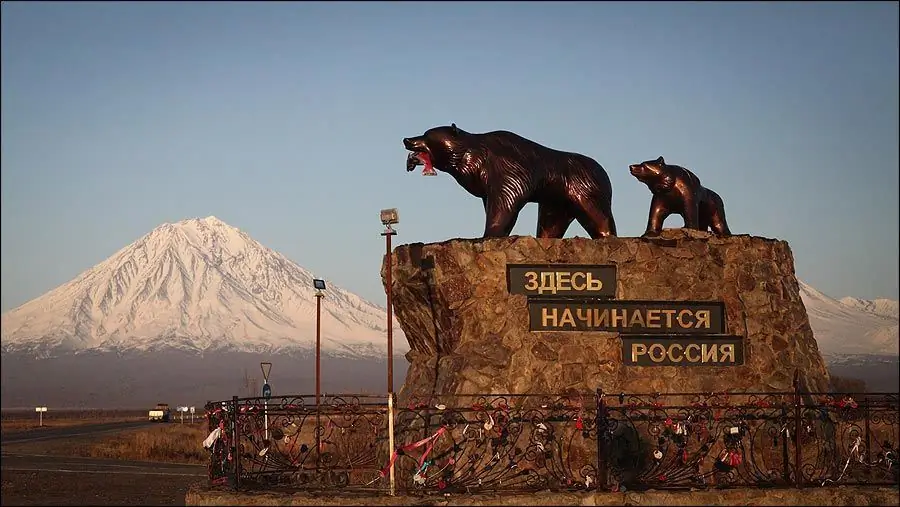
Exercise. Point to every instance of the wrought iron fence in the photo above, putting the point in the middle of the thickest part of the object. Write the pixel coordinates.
(454, 444)
(613, 442)
(292, 442)
(748, 440)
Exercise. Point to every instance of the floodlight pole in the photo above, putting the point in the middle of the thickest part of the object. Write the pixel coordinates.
(319, 296)
(318, 343)
(388, 232)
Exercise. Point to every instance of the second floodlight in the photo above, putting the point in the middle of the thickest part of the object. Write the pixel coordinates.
(390, 216)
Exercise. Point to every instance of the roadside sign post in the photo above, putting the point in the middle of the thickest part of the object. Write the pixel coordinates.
(192, 415)
(40, 411)
(267, 393)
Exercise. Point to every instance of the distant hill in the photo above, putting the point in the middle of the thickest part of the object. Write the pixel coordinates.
(851, 325)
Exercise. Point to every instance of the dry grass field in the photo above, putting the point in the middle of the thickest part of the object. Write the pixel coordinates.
(170, 443)
(21, 420)
(166, 443)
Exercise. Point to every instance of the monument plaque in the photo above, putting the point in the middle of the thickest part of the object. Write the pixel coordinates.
(561, 279)
(676, 317)
(652, 350)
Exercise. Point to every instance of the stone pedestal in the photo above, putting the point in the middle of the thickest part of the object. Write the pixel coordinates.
(469, 335)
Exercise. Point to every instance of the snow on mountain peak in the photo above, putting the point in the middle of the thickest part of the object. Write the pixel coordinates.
(196, 284)
(883, 307)
(851, 325)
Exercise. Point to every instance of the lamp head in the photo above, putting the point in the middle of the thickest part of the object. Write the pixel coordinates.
(390, 217)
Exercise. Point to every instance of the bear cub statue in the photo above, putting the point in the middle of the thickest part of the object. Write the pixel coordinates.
(677, 190)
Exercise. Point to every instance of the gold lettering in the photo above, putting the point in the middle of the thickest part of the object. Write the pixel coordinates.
(636, 318)
(618, 319)
(593, 284)
(548, 283)
(531, 280)
(710, 353)
(601, 317)
(668, 314)
(662, 352)
(584, 315)
(688, 349)
(702, 319)
(579, 285)
(680, 318)
(548, 314)
(672, 348)
(567, 318)
(563, 280)
(727, 352)
(653, 318)
(612, 316)
(637, 349)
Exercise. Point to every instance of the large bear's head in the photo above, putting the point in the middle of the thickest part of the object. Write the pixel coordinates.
(654, 174)
(439, 147)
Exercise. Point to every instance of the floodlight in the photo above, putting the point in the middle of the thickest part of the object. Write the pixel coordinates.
(319, 284)
(390, 216)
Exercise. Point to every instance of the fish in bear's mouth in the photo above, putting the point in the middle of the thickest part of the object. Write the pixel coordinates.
(423, 158)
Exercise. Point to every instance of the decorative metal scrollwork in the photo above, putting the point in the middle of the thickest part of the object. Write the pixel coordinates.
(488, 443)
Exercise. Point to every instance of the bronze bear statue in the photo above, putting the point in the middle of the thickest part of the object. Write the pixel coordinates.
(507, 171)
(677, 190)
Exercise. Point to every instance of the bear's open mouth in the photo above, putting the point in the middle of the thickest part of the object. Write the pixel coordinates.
(417, 158)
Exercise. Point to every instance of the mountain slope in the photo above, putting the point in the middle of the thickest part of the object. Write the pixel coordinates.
(884, 307)
(851, 325)
(196, 285)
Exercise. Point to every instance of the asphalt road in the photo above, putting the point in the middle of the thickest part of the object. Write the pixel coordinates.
(36, 435)
(38, 479)
(13, 462)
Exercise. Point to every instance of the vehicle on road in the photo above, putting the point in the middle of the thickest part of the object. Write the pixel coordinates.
(161, 413)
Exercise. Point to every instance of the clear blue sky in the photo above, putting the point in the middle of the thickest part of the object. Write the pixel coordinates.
(286, 119)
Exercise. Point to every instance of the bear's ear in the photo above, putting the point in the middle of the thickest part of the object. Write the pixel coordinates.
(661, 160)
(454, 127)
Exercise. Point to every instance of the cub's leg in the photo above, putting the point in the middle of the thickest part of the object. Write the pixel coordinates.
(705, 217)
(717, 215)
(658, 214)
(691, 213)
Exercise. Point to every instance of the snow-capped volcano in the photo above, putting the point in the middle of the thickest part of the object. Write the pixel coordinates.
(199, 285)
(851, 325)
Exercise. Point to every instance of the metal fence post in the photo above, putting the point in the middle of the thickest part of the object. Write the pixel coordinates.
(318, 437)
(235, 444)
(868, 437)
(785, 441)
(602, 475)
(391, 438)
(798, 479)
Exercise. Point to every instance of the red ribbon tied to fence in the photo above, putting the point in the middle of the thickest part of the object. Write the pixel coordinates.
(429, 441)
